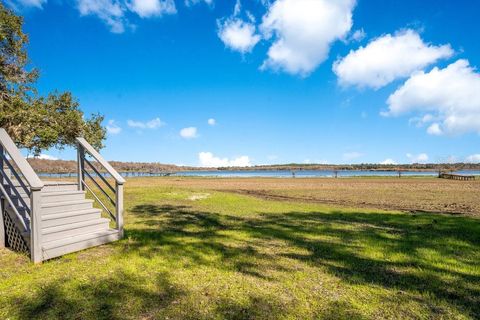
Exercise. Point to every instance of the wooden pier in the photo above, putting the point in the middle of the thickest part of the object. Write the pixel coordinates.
(455, 177)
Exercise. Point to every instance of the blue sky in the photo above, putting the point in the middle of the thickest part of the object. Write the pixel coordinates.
(285, 81)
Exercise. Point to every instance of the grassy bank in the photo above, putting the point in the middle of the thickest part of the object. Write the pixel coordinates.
(194, 252)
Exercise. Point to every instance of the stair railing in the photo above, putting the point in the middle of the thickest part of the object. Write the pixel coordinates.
(117, 201)
(31, 218)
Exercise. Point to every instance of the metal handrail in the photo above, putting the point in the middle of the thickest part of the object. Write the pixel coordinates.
(87, 147)
(19, 179)
(117, 201)
(100, 187)
(99, 201)
(98, 174)
(14, 207)
(22, 164)
(15, 191)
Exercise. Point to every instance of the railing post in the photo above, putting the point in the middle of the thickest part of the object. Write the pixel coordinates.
(80, 166)
(3, 238)
(1, 163)
(35, 226)
(119, 207)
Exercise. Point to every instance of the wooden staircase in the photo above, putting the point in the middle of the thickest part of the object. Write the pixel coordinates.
(52, 218)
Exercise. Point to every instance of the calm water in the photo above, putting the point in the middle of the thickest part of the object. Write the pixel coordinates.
(281, 174)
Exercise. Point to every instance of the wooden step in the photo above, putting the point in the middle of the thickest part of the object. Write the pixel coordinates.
(53, 186)
(58, 219)
(60, 196)
(67, 245)
(65, 206)
(74, 229)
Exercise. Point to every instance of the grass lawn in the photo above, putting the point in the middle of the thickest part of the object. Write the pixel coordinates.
(203, 254)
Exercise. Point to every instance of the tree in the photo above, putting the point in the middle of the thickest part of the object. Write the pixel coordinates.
(34, 122)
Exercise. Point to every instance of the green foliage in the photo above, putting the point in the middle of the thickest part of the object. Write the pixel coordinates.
(34, 122)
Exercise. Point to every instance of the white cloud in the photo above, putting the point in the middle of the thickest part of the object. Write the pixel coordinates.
(189, 3)
(152, 124)
(113, 128)
(151, 8)
(388, 161)
(358, 35)
(109, 11)
(474, 158)
(303, 31)
(207, 159)
(388, 58)
(238, 35)
(189, 133)
(352, 155)
(448, 99)
(31, 3)
(46, 157)
(434, 129)
(419, 158)
(212, 122)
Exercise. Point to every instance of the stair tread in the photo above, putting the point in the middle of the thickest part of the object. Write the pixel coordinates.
(74, 225)
(78, 238)
(66, 214)
(61, 193)
(65, 203)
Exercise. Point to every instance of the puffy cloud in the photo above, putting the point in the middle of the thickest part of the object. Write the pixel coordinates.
(448, 98)
(151, 124)
(474, 158)
(212, 122)
(189, 133)
(419, 158)
(303, 31)
(388, 161)
(207, 159)
(238, 35)
(113, 128)
(388, 58)
(109, 11)
(46, 157)
(150, 8)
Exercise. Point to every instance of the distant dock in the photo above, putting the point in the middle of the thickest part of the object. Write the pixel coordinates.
(456, 177)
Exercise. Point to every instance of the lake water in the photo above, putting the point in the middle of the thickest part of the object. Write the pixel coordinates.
(280, 174)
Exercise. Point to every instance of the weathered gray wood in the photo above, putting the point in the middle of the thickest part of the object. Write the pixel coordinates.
(61, 247)
(119, 209)
(36, 227)
(30, 176)
(3, 237)
(88, 148)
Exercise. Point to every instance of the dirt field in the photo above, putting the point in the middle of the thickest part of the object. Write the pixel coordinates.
(409, 194)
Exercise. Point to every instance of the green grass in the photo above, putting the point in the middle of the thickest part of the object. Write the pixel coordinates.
(238, 257)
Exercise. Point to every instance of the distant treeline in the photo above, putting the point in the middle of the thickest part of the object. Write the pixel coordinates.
(369, 167)
(69, 166)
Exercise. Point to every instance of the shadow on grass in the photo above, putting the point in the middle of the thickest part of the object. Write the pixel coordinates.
(102, 298)
(422, 240)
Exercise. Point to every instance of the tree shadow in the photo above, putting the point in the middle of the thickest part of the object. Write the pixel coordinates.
(332, 240)
(103, 298)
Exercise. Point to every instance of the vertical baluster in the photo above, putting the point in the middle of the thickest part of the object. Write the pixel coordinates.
(119, 207)
(35, 226)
